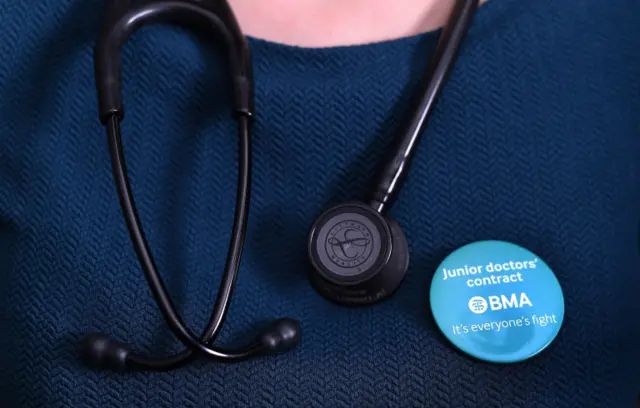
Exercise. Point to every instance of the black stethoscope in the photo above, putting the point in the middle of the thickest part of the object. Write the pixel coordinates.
(359, 254)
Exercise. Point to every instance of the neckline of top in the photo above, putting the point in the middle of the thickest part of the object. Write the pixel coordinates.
(484, 17)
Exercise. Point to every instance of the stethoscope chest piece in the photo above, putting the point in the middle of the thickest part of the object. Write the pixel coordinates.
(358, 256)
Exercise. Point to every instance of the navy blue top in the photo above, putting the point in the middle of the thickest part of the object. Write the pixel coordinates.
(535, 140)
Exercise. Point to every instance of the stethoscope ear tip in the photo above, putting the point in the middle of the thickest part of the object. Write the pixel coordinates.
(280, 336)
(100, 351)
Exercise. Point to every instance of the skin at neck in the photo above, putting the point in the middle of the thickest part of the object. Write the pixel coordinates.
(326, 23)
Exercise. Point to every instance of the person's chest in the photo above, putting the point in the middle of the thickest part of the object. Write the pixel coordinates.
(535, 140)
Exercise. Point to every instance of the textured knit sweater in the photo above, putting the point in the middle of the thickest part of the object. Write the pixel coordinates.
(535, 140)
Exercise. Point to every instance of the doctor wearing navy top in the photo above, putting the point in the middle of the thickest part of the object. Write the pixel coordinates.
(535, 140)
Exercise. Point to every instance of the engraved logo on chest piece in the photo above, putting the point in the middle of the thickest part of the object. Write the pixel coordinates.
(349, 244)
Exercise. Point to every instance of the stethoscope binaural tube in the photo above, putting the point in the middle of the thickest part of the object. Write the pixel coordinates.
(121, 21)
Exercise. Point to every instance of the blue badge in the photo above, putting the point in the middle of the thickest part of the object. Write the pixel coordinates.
(497, 301)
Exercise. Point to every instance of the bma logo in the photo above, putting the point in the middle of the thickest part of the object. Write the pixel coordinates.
(349, 244)
(479, 305)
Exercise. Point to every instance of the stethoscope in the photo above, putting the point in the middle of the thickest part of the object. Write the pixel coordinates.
(359, 254)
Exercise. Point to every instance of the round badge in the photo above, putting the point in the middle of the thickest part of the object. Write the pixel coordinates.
(497, 301)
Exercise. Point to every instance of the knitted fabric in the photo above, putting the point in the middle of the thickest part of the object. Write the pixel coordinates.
(535, 140)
